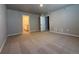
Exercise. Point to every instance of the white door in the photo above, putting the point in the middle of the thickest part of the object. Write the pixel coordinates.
(42, 23)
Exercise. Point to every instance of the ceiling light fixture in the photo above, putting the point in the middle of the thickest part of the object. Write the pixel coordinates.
(41, 5)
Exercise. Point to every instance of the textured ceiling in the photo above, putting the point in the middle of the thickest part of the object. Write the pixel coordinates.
(35, 8)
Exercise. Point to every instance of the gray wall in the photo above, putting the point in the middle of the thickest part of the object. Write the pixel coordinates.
(65, 20)
(2, 25)
(15, 21)
(34, 23)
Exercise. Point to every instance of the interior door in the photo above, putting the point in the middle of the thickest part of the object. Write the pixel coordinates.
(42, 23)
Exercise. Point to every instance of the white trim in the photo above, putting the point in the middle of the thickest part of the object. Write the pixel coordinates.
(66, 34)
(2, 45)
(14, 34)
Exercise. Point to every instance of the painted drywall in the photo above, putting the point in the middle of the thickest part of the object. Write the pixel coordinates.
(3, 34)
(34, 23)
(65, 20)
(15, 21)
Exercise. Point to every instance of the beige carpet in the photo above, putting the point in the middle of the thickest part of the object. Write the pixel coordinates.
(41, 43)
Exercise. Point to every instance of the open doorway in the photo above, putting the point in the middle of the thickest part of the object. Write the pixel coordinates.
(44, 23)
(47, 23)
(26, 24)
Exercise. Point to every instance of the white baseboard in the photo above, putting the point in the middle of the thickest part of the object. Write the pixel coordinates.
(66, 34)
(2, 45)
(14, 34)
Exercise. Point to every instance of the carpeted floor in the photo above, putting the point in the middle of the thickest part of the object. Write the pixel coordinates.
(41, 43)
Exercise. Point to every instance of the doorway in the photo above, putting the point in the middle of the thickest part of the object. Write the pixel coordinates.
(26, 24)
(44, 23)
(47, 23)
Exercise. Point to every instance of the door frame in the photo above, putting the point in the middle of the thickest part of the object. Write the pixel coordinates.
(22, 22)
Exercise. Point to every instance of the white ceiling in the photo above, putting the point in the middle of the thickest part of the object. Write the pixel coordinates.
(35, 8)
